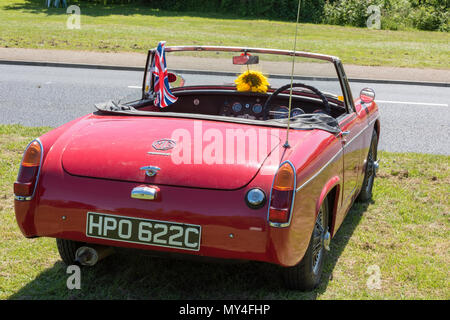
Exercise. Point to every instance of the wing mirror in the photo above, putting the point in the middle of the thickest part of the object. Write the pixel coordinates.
(367, 95)
(245, 59)
(172, 77)
(175, 80)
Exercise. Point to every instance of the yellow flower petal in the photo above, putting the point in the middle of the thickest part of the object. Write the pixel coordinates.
(253, 81)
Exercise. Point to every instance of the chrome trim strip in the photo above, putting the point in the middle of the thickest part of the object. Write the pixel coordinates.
(347, 120)
(21, 198)
(356, 136)
(350, 195)
(285, 224)
(363, 130)
(159, 153)
(279, 225)
(253, 50)
(341, 150)
(320, 171)
(371, 122)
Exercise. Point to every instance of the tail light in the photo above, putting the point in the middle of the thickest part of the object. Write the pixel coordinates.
(25, 185)
(282, 196)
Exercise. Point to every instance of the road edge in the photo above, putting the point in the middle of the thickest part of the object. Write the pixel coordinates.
(140, 69)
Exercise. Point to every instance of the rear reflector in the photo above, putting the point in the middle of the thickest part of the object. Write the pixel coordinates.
(23, 189)
(279, 215)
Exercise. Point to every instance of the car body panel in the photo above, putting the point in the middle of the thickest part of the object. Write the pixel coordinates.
(92, 164)
(116, 148)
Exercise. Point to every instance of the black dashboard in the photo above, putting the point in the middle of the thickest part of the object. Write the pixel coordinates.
(247, 105)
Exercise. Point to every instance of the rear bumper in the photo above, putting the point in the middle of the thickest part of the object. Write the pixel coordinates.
(230, 230)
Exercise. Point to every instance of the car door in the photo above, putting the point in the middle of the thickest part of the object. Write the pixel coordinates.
(352, 143)
(353, 125)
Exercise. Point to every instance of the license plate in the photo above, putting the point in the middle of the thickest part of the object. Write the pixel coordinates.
(143, 231)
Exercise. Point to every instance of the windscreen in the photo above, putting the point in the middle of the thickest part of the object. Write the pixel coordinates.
(215, 68)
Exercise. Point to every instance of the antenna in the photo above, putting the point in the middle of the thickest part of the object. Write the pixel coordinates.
(286, 144)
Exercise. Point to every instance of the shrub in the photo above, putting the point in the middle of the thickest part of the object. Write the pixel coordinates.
(395, 14)
(428, 18)
(348, 12)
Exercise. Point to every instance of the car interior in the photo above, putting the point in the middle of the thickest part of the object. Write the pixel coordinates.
(247, 105)
(227, 100)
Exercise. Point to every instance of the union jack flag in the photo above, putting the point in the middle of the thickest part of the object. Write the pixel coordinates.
(163, 95)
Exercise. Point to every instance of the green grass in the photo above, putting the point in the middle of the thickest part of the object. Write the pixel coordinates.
(136, 28)
(404, 231)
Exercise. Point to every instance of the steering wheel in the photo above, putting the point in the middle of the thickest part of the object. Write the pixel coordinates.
(326, 106)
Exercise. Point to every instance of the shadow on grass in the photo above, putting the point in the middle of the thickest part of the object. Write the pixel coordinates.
(128, 276)
(100, 10)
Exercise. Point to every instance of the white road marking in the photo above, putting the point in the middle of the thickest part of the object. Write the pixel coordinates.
(415, 103)
(135, 87)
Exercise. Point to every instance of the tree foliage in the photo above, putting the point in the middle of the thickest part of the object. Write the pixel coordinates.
(395, 14)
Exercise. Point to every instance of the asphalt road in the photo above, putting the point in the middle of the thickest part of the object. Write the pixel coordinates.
(413, 118)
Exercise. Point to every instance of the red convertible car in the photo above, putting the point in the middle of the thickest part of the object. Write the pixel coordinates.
(222, 159)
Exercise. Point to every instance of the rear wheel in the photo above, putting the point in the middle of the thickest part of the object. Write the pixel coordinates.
(67, 249)
(370, 172)
(306, 274)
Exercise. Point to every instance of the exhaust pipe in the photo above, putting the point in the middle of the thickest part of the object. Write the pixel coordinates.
(89, 256)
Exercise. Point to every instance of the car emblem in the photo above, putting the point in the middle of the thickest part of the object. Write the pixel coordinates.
(164, 144)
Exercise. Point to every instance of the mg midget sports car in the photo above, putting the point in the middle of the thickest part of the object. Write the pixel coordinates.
(234, 164)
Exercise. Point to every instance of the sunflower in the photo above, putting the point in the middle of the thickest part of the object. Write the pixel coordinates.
(253, 81)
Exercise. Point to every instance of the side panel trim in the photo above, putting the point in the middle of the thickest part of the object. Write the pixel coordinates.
(334, 157)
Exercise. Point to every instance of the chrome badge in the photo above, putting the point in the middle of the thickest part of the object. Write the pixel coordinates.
(164, 144)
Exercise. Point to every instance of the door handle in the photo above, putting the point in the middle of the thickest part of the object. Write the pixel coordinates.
(343, 135)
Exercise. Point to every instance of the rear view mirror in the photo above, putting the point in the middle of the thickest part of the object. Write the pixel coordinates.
(245, 59)
(367, 95)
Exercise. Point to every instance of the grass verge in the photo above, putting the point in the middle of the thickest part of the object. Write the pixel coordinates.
(136, 28)
(404, 232)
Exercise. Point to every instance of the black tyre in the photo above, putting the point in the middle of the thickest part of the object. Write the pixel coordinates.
(306, 275)
(370, 171)
(67, 249)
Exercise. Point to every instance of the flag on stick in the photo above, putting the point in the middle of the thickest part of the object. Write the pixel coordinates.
(163, 95)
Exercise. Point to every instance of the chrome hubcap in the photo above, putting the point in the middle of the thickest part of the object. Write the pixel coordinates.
(372, 168)
(321, 240)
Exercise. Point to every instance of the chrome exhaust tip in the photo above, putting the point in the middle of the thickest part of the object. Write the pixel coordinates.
(89, 256)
